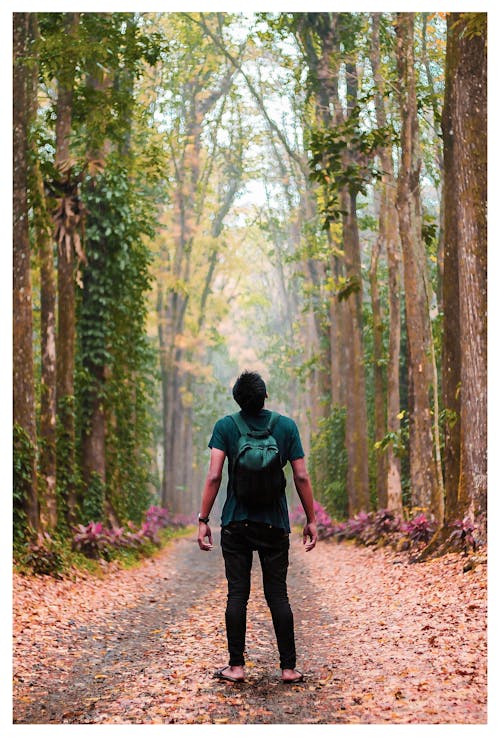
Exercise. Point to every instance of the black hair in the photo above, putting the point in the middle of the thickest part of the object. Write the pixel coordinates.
(250, 391)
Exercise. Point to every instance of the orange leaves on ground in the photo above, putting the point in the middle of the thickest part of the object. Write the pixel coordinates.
(380, 641)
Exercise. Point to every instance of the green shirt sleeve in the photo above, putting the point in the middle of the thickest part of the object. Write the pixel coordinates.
(295, 449)
(219, 437)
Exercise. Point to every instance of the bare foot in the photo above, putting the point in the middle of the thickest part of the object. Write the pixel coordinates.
(290, 675)
(231, 673)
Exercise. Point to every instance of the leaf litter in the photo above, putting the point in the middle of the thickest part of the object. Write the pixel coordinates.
(380, 641)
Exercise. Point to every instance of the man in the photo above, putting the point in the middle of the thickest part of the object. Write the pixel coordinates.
(265, 528)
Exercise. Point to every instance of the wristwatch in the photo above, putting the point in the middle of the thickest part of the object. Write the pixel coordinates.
(203, 519)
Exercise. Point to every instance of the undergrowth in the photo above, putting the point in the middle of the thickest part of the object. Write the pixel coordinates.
(57, 556)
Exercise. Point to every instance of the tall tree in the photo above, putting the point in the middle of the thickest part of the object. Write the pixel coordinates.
(23, 377)
(465, 256)
(43, 230)
(96, 288)
(340, 32)
(469, 124)
(67, 216)
(389, 239)
(426, 489)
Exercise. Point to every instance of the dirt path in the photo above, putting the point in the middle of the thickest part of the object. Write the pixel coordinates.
(380, 641)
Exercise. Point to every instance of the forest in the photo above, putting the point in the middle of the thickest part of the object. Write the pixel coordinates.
(301, 194)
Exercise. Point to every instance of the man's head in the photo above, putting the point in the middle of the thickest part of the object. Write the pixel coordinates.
(249, 391)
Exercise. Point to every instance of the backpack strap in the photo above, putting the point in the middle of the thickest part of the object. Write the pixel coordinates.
(240, 423)
(245, 429)
(272, 421)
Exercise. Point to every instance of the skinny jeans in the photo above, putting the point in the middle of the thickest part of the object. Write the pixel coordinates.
(238, 541)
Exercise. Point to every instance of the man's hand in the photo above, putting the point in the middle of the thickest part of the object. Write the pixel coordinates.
(310, 531)
(204, 531)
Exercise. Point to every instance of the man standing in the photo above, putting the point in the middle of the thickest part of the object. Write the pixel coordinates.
(264, 527)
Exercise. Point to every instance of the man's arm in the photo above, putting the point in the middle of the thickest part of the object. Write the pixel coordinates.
(210, 491)
(304, 490)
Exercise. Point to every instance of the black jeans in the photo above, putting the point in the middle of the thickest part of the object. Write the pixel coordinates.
(238, 541)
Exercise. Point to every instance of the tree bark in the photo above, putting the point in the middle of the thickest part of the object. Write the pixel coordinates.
(356, 418)
(65, 343)
(451, 351)
(388, 234)
(94, 436)
(378, 375)
(464, 361)
(22, 363)
(423, 468)
(468, 110)
(45, 245)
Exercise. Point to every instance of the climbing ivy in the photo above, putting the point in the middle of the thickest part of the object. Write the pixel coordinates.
(112, 338)
(24, 457)
(328, 453)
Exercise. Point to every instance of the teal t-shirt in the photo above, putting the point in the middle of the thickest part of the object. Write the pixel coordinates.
(225, 437)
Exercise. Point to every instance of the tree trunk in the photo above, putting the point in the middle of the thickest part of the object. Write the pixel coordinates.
(65, 344)
(451, 351)
(423, 469)
(468, 107)
(351, 389)
(378, 375)
(47, 480)
(22, 363)
(356, 418)
(394, 490)
(44, 241)
(464, 365)
(94, 436)
(389, 237)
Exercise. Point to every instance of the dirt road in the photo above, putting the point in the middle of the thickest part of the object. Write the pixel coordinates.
(380, 641)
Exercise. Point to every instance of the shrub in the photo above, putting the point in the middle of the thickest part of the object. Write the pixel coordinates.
(386, 522)
(419, 529)
(93, 540)
(381, 528)
(464, 533)
(358, 525)
(96, 541)
(43, 556)
(157, 517)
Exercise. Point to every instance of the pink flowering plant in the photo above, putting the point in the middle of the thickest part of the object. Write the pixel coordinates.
(419, 529)
(383, 527)
(463, 532)
(97, 541)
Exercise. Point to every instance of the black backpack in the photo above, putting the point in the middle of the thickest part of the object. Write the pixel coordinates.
(258, 477)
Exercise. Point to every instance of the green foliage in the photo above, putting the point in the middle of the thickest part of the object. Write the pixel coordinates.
(398, 440)
(68, 473)
(329, 455)
(472, 24)
(93, 502)
(347, 286)
(115, 356)
(24, 459)
(43, 556)
(116, 44)
(327, 162)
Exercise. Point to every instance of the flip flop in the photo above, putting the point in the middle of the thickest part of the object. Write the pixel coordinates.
(294, 680)
(223, 677)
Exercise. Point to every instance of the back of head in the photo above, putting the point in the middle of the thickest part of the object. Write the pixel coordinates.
(250, 392)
